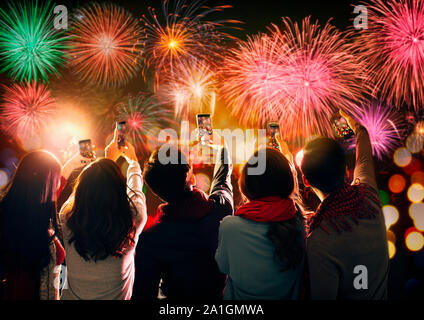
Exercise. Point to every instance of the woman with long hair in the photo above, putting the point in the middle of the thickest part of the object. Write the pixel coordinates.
(261, 248)
(101, 223)
(29, 248)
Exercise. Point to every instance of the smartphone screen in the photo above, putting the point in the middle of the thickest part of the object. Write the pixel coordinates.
(122, 130)
(204, 125)
(341, 127)
(85, 148)
(272, 130)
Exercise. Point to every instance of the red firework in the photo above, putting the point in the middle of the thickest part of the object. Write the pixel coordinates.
(299, 74)
(27, 109)
(106, 45)
(393, 45)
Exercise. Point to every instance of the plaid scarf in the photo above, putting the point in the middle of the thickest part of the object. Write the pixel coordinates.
(352, 201)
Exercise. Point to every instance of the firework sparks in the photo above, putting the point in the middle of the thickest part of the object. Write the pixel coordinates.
(184, 35)
(384, 126)
(106, 45)
(144, 116)
(298, 74)
(393, 45)
(27, 109)
(191, 89)
(30, 48)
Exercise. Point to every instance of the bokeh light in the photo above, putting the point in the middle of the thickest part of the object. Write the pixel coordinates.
(402, 157)
(392, 249)
(416, 192)
(384, 197)
(397, 183)
(415, 143)
(416, 212)
(4, 178)
(414, 240)
(418, 177)
(391, 215)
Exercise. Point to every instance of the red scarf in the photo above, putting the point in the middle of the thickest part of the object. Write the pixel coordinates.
(268, 209)
(348, 201)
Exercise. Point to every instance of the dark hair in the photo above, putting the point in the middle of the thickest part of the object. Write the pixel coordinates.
(27, 210)
(288, 236)
(168, 181)
(100, 215)
(324, 164)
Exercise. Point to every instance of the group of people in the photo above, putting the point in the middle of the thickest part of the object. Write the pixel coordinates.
(197, 246)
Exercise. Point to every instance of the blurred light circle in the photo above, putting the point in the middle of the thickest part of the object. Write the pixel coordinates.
(392, 249)
(384, 197)
(391, 215)
(4, 179)
(416, 212)
(203, 182)
(414, 240)
(412, 167)
(416, 192)
(391, 236)
(397, 183)
(402, 157)
(418, 177)
(415, 142)
(299, 158)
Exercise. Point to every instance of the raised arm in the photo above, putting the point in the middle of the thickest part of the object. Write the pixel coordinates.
(221, 188)
(364, 165)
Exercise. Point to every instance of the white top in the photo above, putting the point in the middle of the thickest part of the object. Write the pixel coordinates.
(111, 278)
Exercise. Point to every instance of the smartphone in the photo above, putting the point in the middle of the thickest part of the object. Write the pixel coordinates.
(204, 126)
(341, 127)
(122, 130)
(85, 148)
(273, 129)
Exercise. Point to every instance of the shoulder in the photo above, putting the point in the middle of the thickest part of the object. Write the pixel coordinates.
(231, 223)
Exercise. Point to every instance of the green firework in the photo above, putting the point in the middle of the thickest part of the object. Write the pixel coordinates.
(30, 47)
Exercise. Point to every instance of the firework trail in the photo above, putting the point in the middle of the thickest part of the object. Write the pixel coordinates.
(27, 109)
(385, 127)
(393, 45)
(300, 75)
(144, 117)
(30, 47)
(191, 89)
(182, 35)
(106, 46)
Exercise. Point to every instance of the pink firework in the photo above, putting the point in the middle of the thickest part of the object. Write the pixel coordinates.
(298, 74)
(106, 45)
(384, 125)
(393, 45)
(26, 109)
(252, 79)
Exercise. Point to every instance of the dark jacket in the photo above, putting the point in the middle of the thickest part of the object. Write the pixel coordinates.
(181, 251)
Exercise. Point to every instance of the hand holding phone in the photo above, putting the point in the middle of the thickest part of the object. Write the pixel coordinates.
(204, 126)
(122, 130)
(273, 130)
(341, 127)
(86, 149)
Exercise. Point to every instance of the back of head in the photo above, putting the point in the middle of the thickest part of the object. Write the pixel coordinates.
(324, 164)
(167, 179)
(99, 216)
(27, 208)
(277, 180)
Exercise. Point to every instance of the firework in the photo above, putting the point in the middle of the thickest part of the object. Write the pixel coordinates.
(183, 35)
(144, 116)
(106, 45)
(191, 89)
(27, 109)
(384, 126)
(393, 45)
(30, 47)
(253, 76)
(298, 74)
